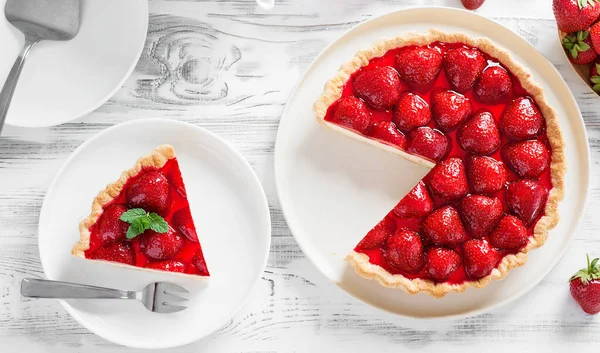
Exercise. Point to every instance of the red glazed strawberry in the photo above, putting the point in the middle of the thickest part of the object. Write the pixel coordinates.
(169, 266)
(486, 174)
(111, 228)
(429, 143)
(443, 227)
(419, 66)
(480, 214)
(150, 192)
(521, 120)
(479, 258)
(529, 159)
(378, 235)
(161, 246)
(386, 131)
(579, 49)
(595, 76)
(200, 263)
(479, 134)
(526, 199)
(585, 287)
(410, 112)
(116, 252)
(494, 86)
(448, 179)
(379, 87)
(509, 234)
(183, 223)
(449, 109)
(441, 263)
(404, 251)
(417, 203)
(352, 113)
(463, 66)
(472, 4)
(575, 15)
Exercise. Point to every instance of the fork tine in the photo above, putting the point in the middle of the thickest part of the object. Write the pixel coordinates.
(170, 297)
(170, 287)
(168, 308)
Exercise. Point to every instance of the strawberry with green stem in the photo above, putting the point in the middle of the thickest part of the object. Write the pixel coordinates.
(575, 15)
(579, 47)
(595, 76)
(585, 287)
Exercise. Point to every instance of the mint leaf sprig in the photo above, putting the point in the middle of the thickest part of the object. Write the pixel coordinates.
(140, 221)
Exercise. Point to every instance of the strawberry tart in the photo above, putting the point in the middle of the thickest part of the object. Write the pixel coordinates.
(465, 108)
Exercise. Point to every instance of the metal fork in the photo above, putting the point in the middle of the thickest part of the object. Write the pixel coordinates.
(157, 296)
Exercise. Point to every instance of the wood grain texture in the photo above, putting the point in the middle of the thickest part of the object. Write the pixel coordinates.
(229, 67)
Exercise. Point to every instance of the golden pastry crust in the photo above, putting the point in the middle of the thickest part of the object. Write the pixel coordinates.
(333, 91)
(157, 159)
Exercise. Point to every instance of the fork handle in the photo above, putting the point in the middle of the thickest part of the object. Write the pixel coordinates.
(13, 77)
(42, 288)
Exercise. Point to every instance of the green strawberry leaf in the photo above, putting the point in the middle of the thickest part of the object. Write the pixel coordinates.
(595, 79)
(140, 221)
(584, 46)
(590, 273)
(596, 88)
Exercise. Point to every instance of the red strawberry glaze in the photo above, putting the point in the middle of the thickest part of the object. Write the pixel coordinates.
(178, 201)
(414, 224)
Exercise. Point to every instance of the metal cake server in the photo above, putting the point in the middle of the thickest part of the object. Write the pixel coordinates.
(38, 20)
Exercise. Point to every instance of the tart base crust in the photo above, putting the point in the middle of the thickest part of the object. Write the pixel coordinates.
(333, 91)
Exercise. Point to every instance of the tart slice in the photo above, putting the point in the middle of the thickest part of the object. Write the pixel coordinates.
(143, 220)
(464, 107)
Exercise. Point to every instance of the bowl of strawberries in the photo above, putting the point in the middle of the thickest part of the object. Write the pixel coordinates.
(578, 24)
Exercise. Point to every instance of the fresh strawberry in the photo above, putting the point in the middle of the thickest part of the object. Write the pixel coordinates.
(595, 76)
(486, 174)
(161, 246)
(479, 134)
(579, 49)
(386, 131)
(479, 258)
(595, 38)
(526, 199)
(441, 263)
(378, 235)
(111, 228)
(463, 66)
(410, 112)
(417, 203)
(509, 234)
(529, 158)
(449, 109)
(585, 287)
(200, 263)
(404, 251)
(150, 192)
(168, 265)
(521, 120)
(448, 179)
(480, 214)
(352, 113)
(429, 143)
(419, 66)
(116, 252)
(472, 4)
(379, 87)
(494, 86)
(183, 223)
(575, 15)
(443, 227)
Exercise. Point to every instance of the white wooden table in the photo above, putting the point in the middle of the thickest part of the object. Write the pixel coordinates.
(242, 64)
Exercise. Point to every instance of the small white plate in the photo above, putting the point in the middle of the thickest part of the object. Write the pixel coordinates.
(229, 208)
(316, 178)
(63, 81)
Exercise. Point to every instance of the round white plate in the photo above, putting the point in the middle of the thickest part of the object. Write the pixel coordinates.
(63, 81)
(307, 159)
(231, 215)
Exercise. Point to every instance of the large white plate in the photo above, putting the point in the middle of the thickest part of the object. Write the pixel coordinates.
(62, 81)
(229, 208)
(311, 164)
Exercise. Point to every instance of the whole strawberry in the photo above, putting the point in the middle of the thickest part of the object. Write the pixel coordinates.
(595, 76)
(575, 15)
(595, 36)
(585, 287)
(579, 47)
(472, 4)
